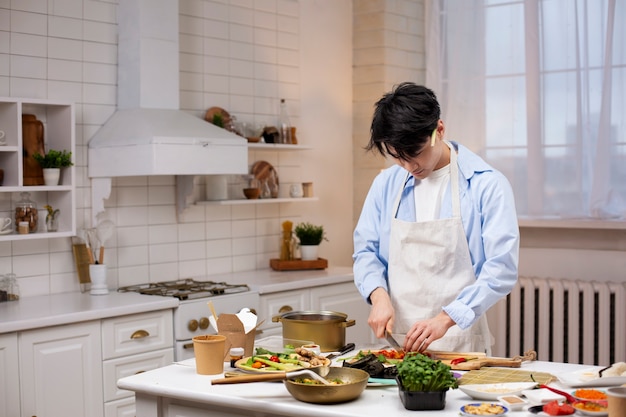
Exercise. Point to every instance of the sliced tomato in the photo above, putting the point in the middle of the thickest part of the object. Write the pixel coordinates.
(553, 408)
(274, 359)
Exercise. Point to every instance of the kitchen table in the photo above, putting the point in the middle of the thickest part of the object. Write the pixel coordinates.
(177, 390)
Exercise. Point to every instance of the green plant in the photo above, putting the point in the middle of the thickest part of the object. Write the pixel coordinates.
(54, 159)
(310, 234)
(418, 372)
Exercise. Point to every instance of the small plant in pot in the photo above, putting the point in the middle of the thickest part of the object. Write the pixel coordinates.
(51, 163)
(423, 382)
(310, 237)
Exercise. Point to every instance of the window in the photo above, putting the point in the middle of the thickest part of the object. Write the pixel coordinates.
(538, 88)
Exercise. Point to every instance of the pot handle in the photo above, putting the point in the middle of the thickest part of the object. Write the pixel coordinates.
(276, 319)
(347, 323)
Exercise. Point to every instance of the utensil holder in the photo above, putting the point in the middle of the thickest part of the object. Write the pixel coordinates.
(98, 275)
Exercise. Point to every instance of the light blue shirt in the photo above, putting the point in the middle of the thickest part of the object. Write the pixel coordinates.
(490, 223)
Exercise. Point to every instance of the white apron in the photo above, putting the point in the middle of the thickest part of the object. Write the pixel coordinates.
(429, 265)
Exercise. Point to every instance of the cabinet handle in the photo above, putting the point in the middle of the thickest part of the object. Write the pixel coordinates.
(188, 346)
(139, 334)
(285, 309)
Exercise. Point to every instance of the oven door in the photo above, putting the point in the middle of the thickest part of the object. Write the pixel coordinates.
(183, 349)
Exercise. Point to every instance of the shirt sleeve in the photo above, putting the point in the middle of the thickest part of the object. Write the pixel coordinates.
(493, 239)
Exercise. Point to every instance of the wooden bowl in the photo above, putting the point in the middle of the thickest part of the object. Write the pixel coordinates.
(252, 193)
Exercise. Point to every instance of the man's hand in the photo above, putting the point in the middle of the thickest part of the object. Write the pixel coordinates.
(424, 332)
(382, 312)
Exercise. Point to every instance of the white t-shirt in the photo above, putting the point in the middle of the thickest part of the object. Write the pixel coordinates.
(429, 193)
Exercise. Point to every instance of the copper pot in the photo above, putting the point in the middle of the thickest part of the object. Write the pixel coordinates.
(325, 328)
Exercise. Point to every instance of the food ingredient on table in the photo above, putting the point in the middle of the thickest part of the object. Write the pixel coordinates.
(554, 408)
(373, 365)
(484, 409)
(590, 394)
(590, 406)
(418, 372)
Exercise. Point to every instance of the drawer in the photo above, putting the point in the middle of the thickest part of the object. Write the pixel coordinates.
(277, 303)
(120, 408)
(115, 369)
(137, 333)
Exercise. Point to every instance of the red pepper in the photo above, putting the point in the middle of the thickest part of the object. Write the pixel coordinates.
(274, 359)
(457, 361)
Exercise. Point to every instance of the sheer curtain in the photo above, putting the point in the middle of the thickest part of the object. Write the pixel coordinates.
(538, 88)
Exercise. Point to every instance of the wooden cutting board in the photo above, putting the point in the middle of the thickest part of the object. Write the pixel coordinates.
(477, 360)
(33, 142)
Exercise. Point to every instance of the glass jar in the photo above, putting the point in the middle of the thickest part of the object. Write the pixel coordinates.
(26, 211)
(9, 288)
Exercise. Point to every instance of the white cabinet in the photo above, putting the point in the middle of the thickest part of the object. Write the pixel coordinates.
(9, 376)
(61, 371)
(57, 120)
(130, 345)
(341, 298)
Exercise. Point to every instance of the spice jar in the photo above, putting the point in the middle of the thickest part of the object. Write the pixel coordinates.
(236, 353)
(26, 211)
(9, 288)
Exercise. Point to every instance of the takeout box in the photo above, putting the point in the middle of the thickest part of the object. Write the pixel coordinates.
(231, 326)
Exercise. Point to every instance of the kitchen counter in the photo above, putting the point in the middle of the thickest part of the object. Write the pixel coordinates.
(65, 308)
(267, 281)
(179, 389)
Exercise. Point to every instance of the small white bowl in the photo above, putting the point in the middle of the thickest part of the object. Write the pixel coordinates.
(313, 348)
(513, 402)
(542, 396)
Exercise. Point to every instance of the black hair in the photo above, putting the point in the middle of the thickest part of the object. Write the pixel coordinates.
(404, 120)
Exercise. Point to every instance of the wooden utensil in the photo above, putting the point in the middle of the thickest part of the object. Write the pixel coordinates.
(316, 373)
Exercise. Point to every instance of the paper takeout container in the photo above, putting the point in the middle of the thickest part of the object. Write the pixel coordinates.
(230, 325)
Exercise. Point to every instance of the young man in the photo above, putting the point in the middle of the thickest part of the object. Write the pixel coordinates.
(437, 242)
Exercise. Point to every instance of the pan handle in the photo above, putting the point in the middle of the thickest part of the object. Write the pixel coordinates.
(347, 323)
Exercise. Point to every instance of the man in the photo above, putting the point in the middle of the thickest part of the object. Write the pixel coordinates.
(437, 242)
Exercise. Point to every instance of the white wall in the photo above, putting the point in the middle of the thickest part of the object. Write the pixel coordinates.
(243, 56)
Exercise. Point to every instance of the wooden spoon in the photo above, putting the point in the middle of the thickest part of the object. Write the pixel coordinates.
(316, 373)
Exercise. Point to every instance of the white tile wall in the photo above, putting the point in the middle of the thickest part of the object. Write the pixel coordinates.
(239, 55)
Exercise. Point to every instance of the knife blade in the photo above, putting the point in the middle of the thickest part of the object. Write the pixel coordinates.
(347, 348)
(394, 344)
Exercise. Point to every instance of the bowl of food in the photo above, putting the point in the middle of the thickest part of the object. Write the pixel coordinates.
(347, 384)
(484, 409)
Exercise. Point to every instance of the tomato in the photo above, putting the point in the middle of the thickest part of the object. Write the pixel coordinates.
(274, 359)
(257, 365)
(391, 354)
(553, 408)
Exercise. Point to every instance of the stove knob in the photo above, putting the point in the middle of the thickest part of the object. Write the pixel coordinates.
(192, 325)
(204, 322)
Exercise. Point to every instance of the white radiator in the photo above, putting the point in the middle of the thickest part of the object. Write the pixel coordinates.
(562, 320)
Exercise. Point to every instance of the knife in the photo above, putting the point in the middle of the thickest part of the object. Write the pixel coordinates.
(347, 348)
(394, 344)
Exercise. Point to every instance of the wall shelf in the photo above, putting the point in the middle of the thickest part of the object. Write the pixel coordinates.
(278, 147)
(257, 201)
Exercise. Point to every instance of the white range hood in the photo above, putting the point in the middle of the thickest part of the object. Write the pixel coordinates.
(148, 134)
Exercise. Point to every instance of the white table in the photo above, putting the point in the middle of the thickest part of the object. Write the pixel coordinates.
(177, 390)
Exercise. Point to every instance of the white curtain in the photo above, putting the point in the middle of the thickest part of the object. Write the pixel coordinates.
(538, 88)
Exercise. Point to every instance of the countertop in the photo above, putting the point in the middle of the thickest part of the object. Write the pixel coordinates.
(66, 308)
(181, 383)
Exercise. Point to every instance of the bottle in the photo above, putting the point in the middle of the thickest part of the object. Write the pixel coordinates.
(284, 126)
(26, 211)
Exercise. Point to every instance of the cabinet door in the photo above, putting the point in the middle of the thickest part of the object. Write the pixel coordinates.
(281, 302)
(9, 376)
(345, 298)
(61, 371)
(137, 333)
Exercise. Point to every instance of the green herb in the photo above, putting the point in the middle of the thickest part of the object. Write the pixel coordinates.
(310, 234)
(418, 372)
(54, 159)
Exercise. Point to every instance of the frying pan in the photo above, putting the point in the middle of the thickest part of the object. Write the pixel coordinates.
(354, 383)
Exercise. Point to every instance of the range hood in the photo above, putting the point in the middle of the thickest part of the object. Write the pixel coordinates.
(148, 134)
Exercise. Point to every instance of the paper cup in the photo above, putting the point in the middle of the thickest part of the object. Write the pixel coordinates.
(617, 401)
(209, 353)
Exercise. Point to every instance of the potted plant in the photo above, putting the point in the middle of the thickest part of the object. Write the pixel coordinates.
(423, 382)
(51, 163)
(310, 237)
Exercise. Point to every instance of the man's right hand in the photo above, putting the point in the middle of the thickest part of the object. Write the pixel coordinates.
(381, 314)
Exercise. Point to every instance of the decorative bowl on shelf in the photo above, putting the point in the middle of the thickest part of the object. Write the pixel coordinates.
(252, 193)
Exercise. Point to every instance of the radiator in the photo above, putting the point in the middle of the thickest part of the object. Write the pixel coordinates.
(562, 320)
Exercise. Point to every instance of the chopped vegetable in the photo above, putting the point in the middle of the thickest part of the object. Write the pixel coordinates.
(457, 361)
(590, 406)
(590, 394)
(553, 408)
(257, 365)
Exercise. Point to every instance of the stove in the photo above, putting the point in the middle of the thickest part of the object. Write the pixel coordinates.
(191, 318)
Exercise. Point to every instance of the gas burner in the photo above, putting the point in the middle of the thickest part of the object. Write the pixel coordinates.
(186, 289)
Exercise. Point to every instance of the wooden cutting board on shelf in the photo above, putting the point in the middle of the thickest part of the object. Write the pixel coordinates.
(32, 135)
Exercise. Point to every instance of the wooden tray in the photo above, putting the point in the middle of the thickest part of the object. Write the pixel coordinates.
(298, 264)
